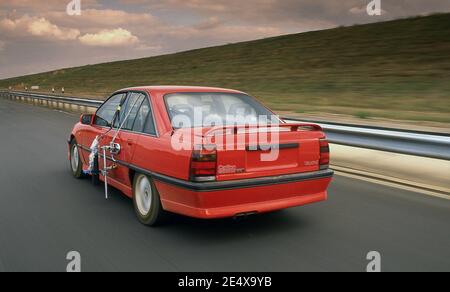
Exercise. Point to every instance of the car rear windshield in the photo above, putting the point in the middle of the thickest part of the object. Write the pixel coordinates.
(188, 110)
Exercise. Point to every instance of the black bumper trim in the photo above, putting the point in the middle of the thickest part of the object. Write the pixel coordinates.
(242, 184)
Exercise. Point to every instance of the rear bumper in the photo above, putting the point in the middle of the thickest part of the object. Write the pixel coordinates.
(230, 198)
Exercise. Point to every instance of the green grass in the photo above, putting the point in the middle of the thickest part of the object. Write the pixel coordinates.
(398, 69)
(362, 115)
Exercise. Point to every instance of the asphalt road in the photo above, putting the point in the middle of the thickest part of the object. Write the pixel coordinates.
(45, 213)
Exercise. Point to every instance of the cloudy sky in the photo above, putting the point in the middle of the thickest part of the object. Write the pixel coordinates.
(37, 36)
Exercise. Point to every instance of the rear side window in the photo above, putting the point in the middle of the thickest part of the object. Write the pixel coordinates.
(106, 112)
(149, 127)
(144, 120)
(129, 110)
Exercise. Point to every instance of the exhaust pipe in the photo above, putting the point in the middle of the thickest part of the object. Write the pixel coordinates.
(244, 215)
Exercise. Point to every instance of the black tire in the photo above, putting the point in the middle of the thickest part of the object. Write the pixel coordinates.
(76, 165)
(155, 215)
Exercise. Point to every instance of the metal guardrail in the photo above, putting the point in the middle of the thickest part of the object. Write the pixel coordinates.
(56, 98)
(390, 140)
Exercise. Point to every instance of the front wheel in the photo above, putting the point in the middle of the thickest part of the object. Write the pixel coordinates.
(146, 200)
(76, 165)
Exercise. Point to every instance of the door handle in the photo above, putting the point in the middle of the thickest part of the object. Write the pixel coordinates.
(130, 142)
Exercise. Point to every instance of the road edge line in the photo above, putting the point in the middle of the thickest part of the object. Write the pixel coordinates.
(390, 181)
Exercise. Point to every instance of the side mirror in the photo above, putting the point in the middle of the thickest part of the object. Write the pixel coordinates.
(86, 119)
(115, 148)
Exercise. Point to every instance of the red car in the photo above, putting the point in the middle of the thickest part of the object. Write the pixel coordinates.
(200, 152)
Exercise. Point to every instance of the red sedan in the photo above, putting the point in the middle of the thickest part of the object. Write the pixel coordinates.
(200, 152)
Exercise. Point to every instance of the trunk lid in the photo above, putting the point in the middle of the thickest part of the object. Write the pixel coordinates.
(252, 152)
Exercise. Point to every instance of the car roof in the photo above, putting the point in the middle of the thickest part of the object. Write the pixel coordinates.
(174, 89)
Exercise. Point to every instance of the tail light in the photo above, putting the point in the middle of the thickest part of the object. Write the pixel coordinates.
(204, 165)
(324, 154)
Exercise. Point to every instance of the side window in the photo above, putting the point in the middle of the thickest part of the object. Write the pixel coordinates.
(130, 109)
(150, 127)
(144, 120)
(106, 112)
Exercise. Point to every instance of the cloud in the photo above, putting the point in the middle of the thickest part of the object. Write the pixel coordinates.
(44, 28)
(358, 10)
(103, 18)
(210, 23)
(8, 24)
(38, 27)
(110, 38)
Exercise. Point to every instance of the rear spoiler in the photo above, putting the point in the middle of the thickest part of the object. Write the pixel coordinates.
(293, 127)
(305, 127)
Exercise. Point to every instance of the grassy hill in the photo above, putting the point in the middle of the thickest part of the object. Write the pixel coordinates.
(398, 69)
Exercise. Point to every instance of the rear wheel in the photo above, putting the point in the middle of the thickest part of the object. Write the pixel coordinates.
(76, 165)
(147, 203)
